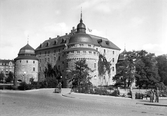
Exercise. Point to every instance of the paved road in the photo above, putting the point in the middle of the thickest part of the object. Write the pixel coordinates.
(46, 103)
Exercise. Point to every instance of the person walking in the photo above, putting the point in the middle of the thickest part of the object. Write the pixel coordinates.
(151, 95)
(156, 95)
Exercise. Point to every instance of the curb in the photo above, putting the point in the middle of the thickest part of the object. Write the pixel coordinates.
(68, 96)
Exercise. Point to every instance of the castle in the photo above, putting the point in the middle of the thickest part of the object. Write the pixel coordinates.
(64, 51)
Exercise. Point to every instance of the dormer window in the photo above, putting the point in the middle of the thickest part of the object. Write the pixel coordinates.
(99, 41)
(47, 44)
(54, 43)
(107, 42)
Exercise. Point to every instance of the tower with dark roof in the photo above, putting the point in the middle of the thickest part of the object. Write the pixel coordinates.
(26, 65)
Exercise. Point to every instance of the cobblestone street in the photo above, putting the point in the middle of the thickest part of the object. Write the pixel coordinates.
(46, 103)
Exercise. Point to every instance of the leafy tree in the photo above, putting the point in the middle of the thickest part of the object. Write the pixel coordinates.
(79, 77)
(146, 70)
(138, 65)
(52, 75)
(103, 65)
(162, 68)
(2, 76)
(10, 77)
(126, 70)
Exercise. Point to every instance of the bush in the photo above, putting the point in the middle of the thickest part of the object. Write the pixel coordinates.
(24, 86)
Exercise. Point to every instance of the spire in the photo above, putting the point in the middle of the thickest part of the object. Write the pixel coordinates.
(28, 39)
(81, 26)
(81, 16)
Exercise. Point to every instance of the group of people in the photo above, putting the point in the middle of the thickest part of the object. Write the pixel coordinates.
(154, 95)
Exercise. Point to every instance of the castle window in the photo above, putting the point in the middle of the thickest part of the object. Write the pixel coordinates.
(113, 60)
(20, 62)
(97, 49)
(81, 44)
(90, 52)
(89, 45)
(112, 68)
(94, 52)
(33, 61)
(33, 68)
(94, 65)
(27, 61)
(104, 51)
(113, 52)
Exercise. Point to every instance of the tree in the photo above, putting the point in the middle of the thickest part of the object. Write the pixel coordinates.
(126, 70)
(2, 76)
(146, 70)
(162, 68)
(79, 77)
(52, 75)
(103, 65)
(10, 77)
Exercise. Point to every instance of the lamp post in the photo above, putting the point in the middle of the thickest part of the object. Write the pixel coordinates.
(24, 73)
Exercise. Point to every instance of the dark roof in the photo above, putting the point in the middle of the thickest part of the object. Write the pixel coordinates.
(80, 38)
(62, 40)
(6, 61)
(54, 42)
(104, 42)
(27, 49)
(26, 52)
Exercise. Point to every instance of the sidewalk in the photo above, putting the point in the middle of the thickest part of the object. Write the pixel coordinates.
(113, 99)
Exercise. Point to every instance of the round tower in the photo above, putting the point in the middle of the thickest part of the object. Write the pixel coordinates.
(81, 47)
(26, 65)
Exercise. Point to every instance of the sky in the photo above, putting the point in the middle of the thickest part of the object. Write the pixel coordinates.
(131, 24)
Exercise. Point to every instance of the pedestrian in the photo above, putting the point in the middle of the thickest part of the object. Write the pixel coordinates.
(151, 95)
(157, 95)
(59, 86)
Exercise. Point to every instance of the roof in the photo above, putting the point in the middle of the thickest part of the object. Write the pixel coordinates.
(54, 42)
(27, 49)
(62, 40)
(80, 38)
(6, 61)
(26, 52)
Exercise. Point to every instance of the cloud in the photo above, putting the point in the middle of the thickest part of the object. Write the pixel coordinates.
(97, 33)
(56, 28)
(158, 49)
(57, 12)
(104, 6)
(136, 21)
